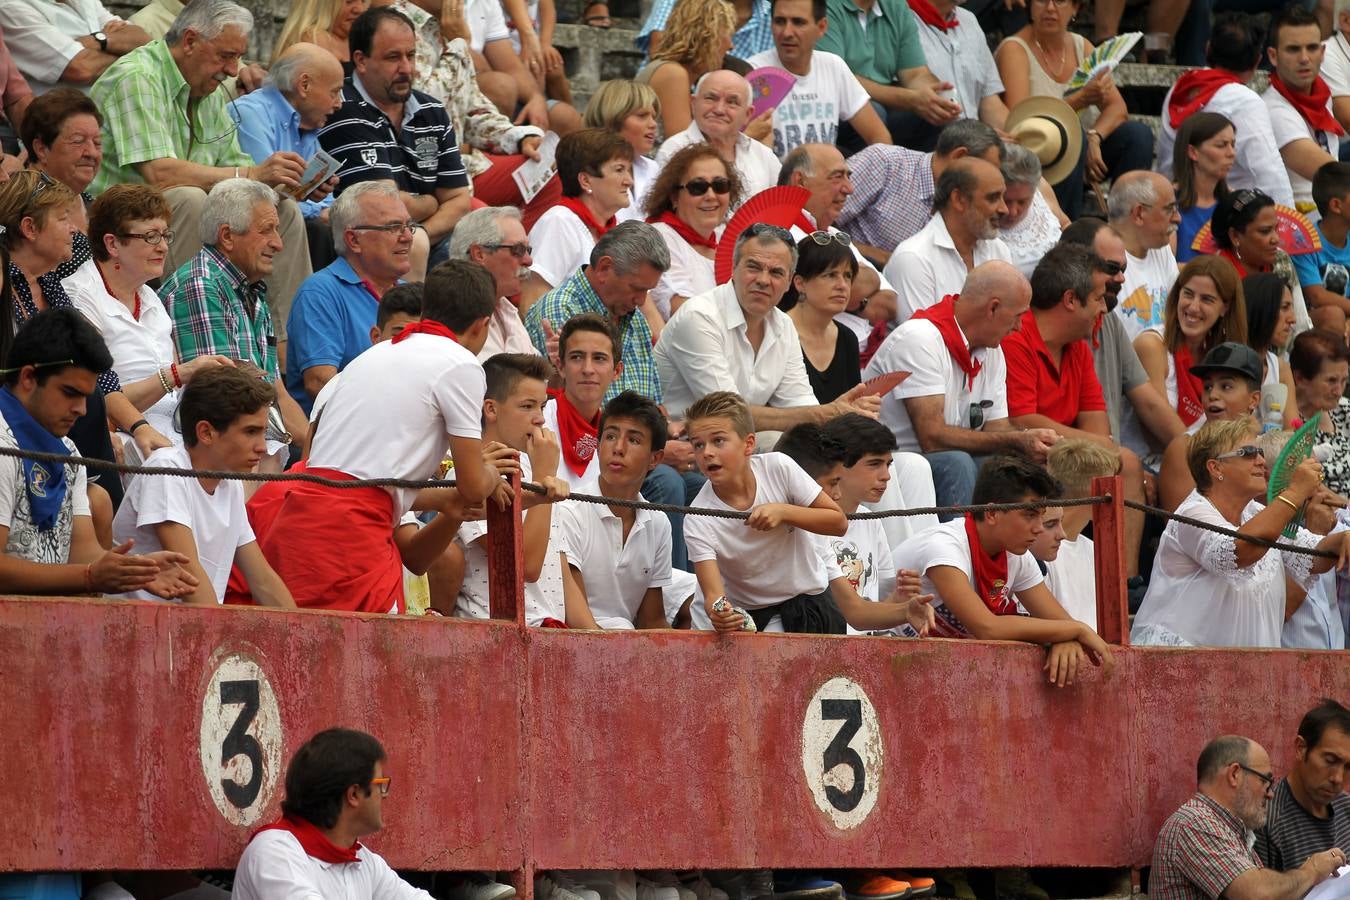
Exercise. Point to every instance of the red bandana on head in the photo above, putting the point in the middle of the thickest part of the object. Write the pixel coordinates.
(1313, 106)
(684, 230)
(1188, 387)
(426, 326)
(586, 217)
(943, 316)
(929, 15)
(578, 437)
(1193, 90)
(313, 841)
(990, 574)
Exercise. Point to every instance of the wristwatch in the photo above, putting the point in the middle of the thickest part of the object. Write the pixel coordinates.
(102, 40)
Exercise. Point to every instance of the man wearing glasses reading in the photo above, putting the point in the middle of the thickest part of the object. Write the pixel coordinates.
(336, 786)
(1204, 849)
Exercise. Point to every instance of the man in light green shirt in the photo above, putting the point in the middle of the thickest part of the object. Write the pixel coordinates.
(155, 18)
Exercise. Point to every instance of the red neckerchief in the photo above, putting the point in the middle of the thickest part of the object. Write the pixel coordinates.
(684, 230)
(943, 316)
(1193, 90)
(586, 217)
(990, 573)
(1312, 107)
(1237, 263)
(928, 15)
(1188, 386)
(425, 326)
(370, 287)
(135, 313)
(578, 437)
(313, 841)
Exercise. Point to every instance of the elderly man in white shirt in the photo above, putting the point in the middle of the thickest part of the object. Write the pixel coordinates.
(963, 233)
(735, 338)
(959, 55)
(495, 238)
(65, 42)
(721, 107)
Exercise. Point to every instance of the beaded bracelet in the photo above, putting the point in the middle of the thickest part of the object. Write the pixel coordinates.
(164, 381)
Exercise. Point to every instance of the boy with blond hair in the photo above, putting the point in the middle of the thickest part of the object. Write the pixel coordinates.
(1071, 574)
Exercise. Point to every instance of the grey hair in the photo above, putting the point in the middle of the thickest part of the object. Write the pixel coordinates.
(1219, 754)
(286, 70)
(209, 18)
(630, 245)
(480, 228)
(975, 136)
(1065, 267)
(749, 92)
(765, 236)
(798, 159)
(346, 209)
(231, 202)
(1021, 166)
(1127, 193)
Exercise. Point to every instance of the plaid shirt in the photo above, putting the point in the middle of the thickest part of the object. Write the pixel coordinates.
(146, 109)
(1201, 849)
(892, 196)
(216, 311)
(575, 296)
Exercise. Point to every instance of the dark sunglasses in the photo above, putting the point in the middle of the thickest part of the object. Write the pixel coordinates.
(697, 187)
(518, 250)
(1112, 268)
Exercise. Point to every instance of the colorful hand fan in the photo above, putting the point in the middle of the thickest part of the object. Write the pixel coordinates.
(781, 206)
(1298, 449)
(768, 87)
(1104, 58)
(1297, 234)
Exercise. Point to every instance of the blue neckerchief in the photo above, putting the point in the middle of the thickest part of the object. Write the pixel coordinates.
(44, 482)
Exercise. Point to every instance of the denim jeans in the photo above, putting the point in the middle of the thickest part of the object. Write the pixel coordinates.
(665, 485)
(953, 478)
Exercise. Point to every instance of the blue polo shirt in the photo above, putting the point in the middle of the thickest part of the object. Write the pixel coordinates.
(269, 124)
(329, 325)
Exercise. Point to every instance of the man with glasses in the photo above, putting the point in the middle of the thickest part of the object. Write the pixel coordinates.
(1142, 208)
(1310, 812)
(1204, 849)
(334, 310)
(336, 785)
(494, 237)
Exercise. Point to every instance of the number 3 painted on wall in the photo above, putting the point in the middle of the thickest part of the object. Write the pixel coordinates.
(842, 752)
(240, 739)
(238, 742)
(839, 753)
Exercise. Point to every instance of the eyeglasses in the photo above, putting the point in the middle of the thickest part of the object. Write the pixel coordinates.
(977, 413)
(825, 238)
(150, 237)
(1113, 268)
(392, 228)
(697, 187)
(518, 250)
(1267, 777)
(382, 783)
(1170, 208)
(1246, 452)
(763, 228)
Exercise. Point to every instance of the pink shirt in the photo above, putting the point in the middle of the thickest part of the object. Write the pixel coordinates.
(13, 86)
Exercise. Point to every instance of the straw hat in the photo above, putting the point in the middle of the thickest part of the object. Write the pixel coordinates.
(1049, 128)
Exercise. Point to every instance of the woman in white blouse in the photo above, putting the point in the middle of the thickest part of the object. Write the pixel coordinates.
(1032, 225)
(688, 206)
(1212, 590)
(129, 236)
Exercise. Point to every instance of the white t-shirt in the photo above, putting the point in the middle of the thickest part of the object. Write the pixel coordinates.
(947, 545)
(690, 272)
(16, 513)
(1288, 126)
(574, 481)
(1336, 64)
(761, 568)
(818, 102)
(917, 347)
(864, 557)
(218, 520)
(1143, 296)
(562, 244)
(927, 267)
(617, 573)
(1073, 580)
(486, 23)
(395, 410)
(543, 598)
(275, 867)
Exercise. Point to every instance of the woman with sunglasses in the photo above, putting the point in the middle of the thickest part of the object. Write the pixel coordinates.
(1202, 157)
(688, 206)
(1212, 590)
(1246, 231)
(129, 236)
(1270, 326)
(821, 287)
(1320, 363)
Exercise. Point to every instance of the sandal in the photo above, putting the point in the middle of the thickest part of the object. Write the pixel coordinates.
(598, 19)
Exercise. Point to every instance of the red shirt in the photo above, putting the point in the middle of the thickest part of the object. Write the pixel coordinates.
(1035, 385)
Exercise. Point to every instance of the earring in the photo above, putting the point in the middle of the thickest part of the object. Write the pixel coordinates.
(1218, 478)
(116, 265)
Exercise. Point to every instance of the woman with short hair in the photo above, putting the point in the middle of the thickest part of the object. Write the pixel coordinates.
(1030, 227)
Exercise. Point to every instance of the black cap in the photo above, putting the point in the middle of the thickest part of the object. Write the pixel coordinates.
(1231, 357)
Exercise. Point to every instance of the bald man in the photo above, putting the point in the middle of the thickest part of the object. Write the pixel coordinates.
(721, 107)
(953, 408)
(963, 234)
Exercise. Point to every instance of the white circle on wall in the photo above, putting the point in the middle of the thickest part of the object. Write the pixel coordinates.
(842, 753)
(240, 738)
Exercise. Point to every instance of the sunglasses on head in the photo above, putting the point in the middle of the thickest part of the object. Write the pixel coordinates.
(825, 238)
(1246, 452)
(697, 187)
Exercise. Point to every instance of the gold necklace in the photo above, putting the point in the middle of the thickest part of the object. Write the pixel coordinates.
(1045, 54)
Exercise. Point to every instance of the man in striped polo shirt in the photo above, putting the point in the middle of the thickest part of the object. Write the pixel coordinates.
(386, 131)
(1310, 811)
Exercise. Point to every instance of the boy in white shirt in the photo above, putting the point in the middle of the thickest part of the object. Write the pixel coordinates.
(223, 415)
(979, 569)
(588, 351)
(616, 560)
(513, 404)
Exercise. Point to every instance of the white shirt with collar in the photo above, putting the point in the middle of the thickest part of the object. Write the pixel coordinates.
(755, 163)
(961, 57)
(1288, 125)
(275, 867)
(506, 333)
(704, 348)
(43, 36)
(617, 572)
(927, 267)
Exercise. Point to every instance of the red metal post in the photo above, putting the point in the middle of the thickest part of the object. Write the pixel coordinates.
(506, 558)
(1108, 542)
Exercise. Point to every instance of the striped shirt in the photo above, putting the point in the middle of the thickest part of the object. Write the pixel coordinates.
(1201, 849)
(1292, 834)
(216, 311)
(146, 110)
(421, 156)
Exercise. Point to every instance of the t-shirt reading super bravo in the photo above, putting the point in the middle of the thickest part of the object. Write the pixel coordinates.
(397, 406)
(947, 545)
(818, 102)
(16, 513)
(218, 520)
(761, 568)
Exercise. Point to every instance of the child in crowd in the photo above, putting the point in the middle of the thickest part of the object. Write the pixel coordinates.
(588, 351)
(400, 307)
(513, 405)
(223, 416)
(979, 569)
(1062, 549)
(616, 560)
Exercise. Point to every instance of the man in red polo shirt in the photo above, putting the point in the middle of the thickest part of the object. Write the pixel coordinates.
(1052, 382)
